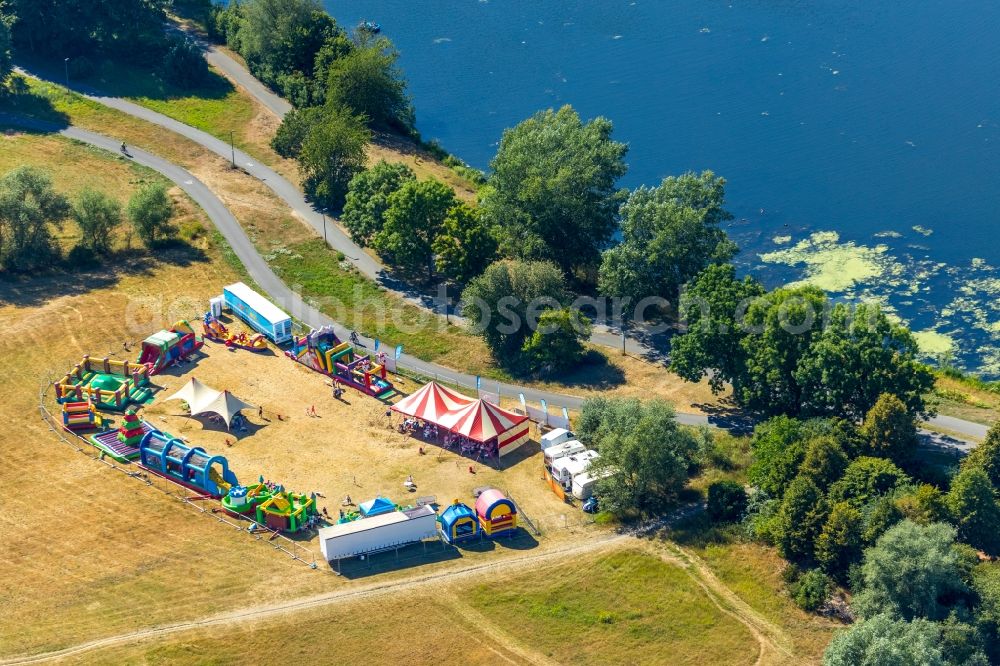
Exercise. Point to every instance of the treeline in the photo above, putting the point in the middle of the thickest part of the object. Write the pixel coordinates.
(31, 210)
(85, 33)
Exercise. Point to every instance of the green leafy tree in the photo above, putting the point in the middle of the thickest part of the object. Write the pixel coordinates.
(824, 462)
(712, 310)
(29, 207)
(866, 479)
(839, 544)
(98, 216)
(779, 447)
(913, 571)
(646, 453)
(332, 153)
(553, 188)
(183, 63)
(986, 582)
(149, 210)
(368, 198)
(415, 215)
(294, 130)
(496, 303)
(890, 429)
(557, 342)
(924, 504)
(880, 514)
(882, 640)
(670, 234)
(974, 510)
(800, 519)
(465, 245)
(986, 456)
(368, 82)
(727, 501)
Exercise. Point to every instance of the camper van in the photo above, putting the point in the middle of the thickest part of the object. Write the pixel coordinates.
(558, 451)
(555, 436)
(583, 483)
(565, 468)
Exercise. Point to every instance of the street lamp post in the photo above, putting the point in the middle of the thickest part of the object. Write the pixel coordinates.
(324, 227)
(66, 63)
(232, 146)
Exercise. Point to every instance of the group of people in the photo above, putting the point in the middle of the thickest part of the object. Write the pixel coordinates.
(449, 440)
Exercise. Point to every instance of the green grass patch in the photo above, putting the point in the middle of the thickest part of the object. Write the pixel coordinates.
(624, 608)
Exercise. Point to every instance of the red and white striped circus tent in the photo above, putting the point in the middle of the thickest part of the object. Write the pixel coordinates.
(482, 421)
(475, 419)
(432, 402)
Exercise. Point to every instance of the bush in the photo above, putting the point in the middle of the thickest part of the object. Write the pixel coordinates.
(97, 215)
(811, 590)
(149, 211)
(727, 501)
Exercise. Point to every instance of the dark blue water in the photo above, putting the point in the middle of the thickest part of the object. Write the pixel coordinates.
(852, 116)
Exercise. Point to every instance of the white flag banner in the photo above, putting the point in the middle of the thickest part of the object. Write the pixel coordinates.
(390, 364)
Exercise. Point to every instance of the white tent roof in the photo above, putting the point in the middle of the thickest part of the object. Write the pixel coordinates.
(203, 399)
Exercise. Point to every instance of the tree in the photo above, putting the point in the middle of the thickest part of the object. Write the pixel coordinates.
(557, 343)
(670, 234)
(497, 303)
(183, 64)
(782, 358)
(839, 544)
(712, 310)
(415, 215)
(986, 582)
(149, 210)
(859, 356)
(882, 640)
(924, 504)
(866, 479)
(368, 198)
(29, 206)
(974, 510)
(727, 501)
(890, 429)
(824, 461)
(97, 215)
(800, 519)
(332, 153)
(644, 452)
(911, 572)
(779, 448)
(553, 188)
(368, 82)
(294, 130)
(465, 245)
(986, 456)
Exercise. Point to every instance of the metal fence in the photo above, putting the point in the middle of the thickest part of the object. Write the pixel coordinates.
(253, 530)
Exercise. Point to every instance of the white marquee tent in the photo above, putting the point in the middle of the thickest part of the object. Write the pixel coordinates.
(203, 399)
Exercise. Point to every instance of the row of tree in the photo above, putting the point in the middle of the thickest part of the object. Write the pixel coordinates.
(31, 209)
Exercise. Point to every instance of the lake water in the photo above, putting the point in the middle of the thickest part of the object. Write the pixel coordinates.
(859, 139)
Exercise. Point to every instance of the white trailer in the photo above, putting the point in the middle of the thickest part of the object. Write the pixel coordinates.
(378, 533)
(568, 448)
(564, 469)
(555, 436)
(583, 483)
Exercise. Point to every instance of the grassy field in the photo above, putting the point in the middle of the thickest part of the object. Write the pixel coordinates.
(621, 606)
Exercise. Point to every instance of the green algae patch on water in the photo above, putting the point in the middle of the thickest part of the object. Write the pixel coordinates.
(922, 230)
(934, 343)
(835, 266)
(889, 233)
(781, 240)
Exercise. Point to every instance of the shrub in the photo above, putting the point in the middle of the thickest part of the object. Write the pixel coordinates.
(727, 501)
(149, 211)
(811, 590)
